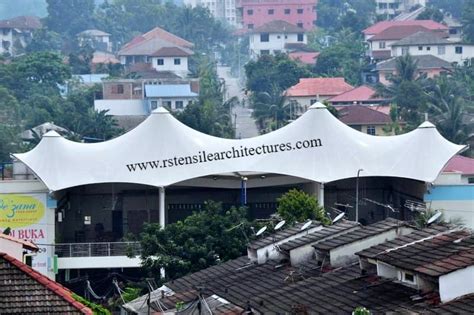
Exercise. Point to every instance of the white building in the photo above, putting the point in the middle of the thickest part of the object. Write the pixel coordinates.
(173, 96)
(453, 191)
(429, 43)
(391, 8)
(275, 37)
(221, 9)
(157, 50)
(15, 33)
(98, 39)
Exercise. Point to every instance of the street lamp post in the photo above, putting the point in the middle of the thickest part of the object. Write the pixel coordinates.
(357, 194)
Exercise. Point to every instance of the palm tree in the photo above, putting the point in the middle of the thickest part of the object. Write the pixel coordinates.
(448, 106)
(271, 109)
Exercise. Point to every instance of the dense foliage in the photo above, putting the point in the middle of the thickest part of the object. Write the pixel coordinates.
(201, 240)
(335, 15)
(298, 206)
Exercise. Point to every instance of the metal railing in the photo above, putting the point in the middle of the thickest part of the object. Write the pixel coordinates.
(98, 249)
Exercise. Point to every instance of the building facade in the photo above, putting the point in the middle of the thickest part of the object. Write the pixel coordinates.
(255, 13)
(391, 8)
(15, 33)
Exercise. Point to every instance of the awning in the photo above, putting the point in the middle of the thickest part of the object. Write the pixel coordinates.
(162, 151)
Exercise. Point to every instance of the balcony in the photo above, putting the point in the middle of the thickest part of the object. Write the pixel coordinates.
(98, 255)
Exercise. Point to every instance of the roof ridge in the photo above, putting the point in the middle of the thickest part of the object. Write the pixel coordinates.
(49, 284)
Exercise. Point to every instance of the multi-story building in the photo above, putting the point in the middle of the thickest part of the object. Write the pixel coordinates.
(255, 13)
(221, 9)
(157, 50)
(16, 32)
(98, 39)
(275, 37)
(391, 8)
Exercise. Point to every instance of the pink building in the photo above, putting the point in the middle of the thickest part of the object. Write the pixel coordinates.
(255, 13)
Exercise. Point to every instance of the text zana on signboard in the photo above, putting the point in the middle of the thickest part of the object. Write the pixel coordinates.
(232, 153)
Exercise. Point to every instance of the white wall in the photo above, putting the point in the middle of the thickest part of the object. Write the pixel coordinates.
(276, 42)
(449, 55)
(98, 262)
(456, 284)
(122, 107)
(386, 271)
(11, 248)
(8, 36)
(342, 255)
(168, 65)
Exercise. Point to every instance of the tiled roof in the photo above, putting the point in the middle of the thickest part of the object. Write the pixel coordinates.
(151, 42)
(278, 26)
(398, 32)
(362, 115)
(26, 291)
(460, 164)
(319, 86)
(26, 244)
(308, 58)
(432, 255)
(423, 38)
(423, 62)
(316, 236)
(172, 52)
(21, 22)
(281, 235)
(462, 306)
(358, 94)
(359, 234)
(383, 25)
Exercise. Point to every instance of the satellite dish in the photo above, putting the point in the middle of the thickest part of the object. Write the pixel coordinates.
(434, 218)
(338, 217)
(306, 225)
(279, 225)
(260, 232)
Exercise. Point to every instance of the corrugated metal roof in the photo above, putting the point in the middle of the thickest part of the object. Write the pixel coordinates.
(169, 90)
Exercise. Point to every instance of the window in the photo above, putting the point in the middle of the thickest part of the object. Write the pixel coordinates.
(393, 5)
(404, 51)
(167, 104)
(271, 11)
(264, 52)
(178, 105)
(382, 5)
(160, 61)
(458, 49)
(381, 45)
(299, 11)
(6, 31)
(453, 31)
(154, 105)
(441, 50)
(408, 277)
(300, 37)
(470, 180)
(299, 25)
(428, 48)
(177, 61)
(371, 130)
(420, 48)
(264, 37)
(250, 26)
(249, 12)
(117, 89)
(313, 101)
(287, 11)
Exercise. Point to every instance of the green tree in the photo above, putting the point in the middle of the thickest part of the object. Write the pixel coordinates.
(201, 240)
(298, 206)
(44, 40)
(468, 20)
(407, 90)
(70, 17)
(431, 13)
(455, 7)
(9, 124)
(343, 58)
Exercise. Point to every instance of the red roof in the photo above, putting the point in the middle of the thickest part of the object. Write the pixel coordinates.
(26, 244)
(171, 52)
(161, 34)
(45, 282)
(319, 86)
(362, 115)
(358, 94)
(22, 22)
(383, 25)
(398, 32)
(308, 58)
(460, 164)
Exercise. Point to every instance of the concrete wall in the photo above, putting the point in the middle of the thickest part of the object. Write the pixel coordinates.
(121, 90)
(168, 65)
(122, 107)
(456, 284)
(449, 54)
(275, 43)
(344, 254)
(11, 248)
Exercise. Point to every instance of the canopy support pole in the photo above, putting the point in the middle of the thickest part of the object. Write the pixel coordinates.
(161, 207)
(321, 194)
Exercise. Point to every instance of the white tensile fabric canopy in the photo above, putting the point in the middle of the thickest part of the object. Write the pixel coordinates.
(162, 151)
